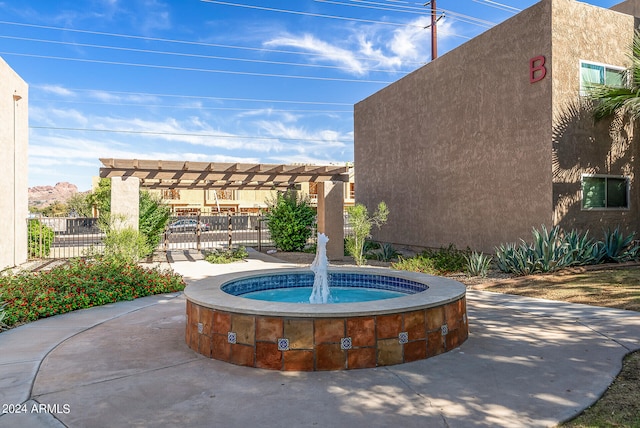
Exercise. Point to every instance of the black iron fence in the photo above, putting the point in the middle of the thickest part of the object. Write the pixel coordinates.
(68, 237)
(217, 231)
(63, 237)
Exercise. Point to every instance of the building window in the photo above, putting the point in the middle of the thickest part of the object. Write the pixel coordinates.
(352, 190)
(603, 192)
(171, 194)
(599, 74)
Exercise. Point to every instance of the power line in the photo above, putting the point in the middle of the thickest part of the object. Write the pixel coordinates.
(203, 70)
(209, 97)
(186, 42)
(414, 10)
(317, 15)
(181, 134)
(192, 107)
(194, 55)
(497, 5)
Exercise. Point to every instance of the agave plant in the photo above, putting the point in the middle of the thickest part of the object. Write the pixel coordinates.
(581, 250)
(478, 264)
(519, 260)
(386, 252)
(2, 312)
(549, 249)
(617, 248)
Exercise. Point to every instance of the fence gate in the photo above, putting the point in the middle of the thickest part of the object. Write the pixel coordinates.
(216, 231)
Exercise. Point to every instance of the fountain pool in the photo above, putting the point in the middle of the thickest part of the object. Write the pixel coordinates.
(428, 319)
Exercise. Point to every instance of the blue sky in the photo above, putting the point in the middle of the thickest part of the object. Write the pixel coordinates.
(215, 81)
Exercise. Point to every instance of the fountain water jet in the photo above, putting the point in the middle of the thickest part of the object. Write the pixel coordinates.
(320, 292)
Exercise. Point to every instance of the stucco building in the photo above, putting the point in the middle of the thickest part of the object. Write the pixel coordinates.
(494, 138)
(14, 141)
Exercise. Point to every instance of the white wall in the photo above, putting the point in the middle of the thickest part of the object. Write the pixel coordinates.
(14, 142)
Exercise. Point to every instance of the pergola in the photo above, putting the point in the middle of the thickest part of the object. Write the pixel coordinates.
(128, 175)
(161, 174)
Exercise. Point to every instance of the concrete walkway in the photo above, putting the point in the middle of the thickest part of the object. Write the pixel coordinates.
(527, 362)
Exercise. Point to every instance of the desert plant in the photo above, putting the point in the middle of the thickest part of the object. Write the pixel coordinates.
(40, 238)
(519, 260)
(290, 220)
(226, 256)
(549, 249)
(478, 264)
(581, 250)
(618, 248)
(361, 224)
(2, 313)
(385, 253)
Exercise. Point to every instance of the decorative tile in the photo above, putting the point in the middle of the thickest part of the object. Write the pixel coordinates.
(200, 327)
(403, 337)
(346, 343)
(232, 337)
(444, 329)
(283, 344)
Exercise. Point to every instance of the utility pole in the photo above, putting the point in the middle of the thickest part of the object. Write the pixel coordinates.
(434, 28)
(434, 31)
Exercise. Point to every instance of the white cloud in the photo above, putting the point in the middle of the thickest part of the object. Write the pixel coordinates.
(326, 51)
(56, 90)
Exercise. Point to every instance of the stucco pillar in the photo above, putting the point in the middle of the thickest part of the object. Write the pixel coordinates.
(125, 202)
(331, 218)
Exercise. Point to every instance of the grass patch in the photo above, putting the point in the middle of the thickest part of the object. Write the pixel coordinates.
(620, 404)
(611, 288)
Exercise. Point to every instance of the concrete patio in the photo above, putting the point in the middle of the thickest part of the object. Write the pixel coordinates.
(527, 362)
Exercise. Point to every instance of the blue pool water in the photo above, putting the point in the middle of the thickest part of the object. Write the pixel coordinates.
(338, 294)
(345, 287)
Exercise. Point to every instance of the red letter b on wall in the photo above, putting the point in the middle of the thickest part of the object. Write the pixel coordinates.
(537, 70)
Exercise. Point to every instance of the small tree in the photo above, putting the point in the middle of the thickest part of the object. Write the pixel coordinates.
(291, 219)
(361, 225)
(154, 216)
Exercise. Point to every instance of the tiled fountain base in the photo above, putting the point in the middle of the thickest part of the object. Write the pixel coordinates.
(308, 344)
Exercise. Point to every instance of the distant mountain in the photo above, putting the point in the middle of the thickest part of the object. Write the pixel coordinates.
(42, 196)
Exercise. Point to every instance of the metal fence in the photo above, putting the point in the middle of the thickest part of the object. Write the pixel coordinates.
(68, 237)
(217, 231)
(63, 237)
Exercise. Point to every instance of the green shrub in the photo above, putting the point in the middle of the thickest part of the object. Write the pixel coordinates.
(40, 239)
(361, 224)
(125, 245)
(226, 256)
(478, 264)
(153, 219)
(290, 220)
(80, 284)
(435, 262)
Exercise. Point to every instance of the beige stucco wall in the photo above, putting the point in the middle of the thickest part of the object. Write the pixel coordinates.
(459, 149)
(580, 146)
(14, 142)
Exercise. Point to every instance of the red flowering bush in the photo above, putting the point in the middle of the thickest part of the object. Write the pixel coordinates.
(78, 285)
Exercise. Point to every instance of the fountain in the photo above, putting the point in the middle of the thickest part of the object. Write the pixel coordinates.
(424, 316)
(320, 292)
